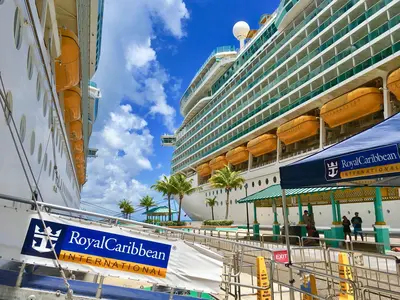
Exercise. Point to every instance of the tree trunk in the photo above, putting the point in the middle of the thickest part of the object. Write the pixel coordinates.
(147, 213)
(212, 212)
(227, 205)
(180, 207)
(169, 208)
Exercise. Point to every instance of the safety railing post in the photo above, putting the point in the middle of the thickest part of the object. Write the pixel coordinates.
(100, 288)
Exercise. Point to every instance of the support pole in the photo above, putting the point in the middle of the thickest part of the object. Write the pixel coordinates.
(286, 224)
(275, 225)
(336, 228)
(386, 98)
(380, 228)
(338, 211)
(256, 225)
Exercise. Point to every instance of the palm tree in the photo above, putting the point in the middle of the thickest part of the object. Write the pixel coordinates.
(226, 179)
(164, 186)
(126, 207)
(181, 186)
(211, 203)
(147, 202)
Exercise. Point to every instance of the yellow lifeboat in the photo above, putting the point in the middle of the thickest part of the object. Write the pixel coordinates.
(79, 158)
(393, 83)
(237, 155)
(77, 146)
(261, 145)
(67, 65)
(75, 128)
(204, 170)
(352, 106)
(298, 129)
(218, 163)
(72, 103)
(81, 179)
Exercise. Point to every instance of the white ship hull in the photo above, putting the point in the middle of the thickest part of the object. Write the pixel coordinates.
(195, 204)
(46, 150)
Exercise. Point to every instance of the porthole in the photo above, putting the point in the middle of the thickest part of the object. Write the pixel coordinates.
(45, 102)
(17, 28)
(252, 184)
(235, 201)
(274, 179)
(230, 201)
(266, 181)
(221, 203)
(40, 154)
(216, 192)
(29, 63)
(38, 88)
(259, 183)
(45, 162)
(50, 165)
(220, 191)
(9, 103)
(22, 128)
(33, 143)
(216, 203)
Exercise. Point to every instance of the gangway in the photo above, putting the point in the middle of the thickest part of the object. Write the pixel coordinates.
(374, 276)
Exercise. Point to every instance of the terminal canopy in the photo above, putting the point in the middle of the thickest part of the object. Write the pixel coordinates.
(370, 158)
(317, 195)
(159, 211)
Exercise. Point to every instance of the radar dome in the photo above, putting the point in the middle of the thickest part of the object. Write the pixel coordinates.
(241, 30)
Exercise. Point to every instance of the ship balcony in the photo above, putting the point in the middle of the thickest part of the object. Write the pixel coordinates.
(288, 11)
(218, 62)
(168, 140)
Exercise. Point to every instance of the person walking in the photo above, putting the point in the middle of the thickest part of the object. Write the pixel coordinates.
(346, 227)
(357, 222)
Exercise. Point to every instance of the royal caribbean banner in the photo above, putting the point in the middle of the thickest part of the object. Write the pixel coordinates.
(382, 160)
(108, 250)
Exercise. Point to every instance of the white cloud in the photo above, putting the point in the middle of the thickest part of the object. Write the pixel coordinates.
(129, 71)
(158, 166)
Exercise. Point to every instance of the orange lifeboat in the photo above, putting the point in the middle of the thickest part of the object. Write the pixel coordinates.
(261, 145)
(352, 106)
(72, 103)
(81, 179)
(298, 129)
(237, 155)
(75, 130)
(67, 65)
(218, 163)
(79, 158)
(77, 146)
(204, 170)
(393, 83)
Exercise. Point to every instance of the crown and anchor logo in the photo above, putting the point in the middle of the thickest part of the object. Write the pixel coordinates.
(43, 237)
(333, 169)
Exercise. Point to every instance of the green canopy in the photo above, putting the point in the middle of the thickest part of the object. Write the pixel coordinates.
(159, 211)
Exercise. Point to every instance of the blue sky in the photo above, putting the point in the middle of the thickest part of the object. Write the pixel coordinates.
(151, 50)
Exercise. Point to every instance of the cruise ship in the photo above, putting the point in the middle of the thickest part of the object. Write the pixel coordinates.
(50, 49)
(310, 75)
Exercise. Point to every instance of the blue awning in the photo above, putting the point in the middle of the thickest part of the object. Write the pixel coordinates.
(370, 158)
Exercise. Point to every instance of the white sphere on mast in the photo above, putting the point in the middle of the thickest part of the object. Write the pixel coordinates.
(240, 31)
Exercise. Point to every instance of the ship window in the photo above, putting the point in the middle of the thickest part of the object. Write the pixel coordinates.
(17, 28)
(29, 63)
(33, 142)
(266, 181)
(235, 201)
(40, 153)
(9, 103)
(274, 179)
(45, 162)
(38, 88)
(22, 128)
(252, 184)
(45, 101)
(216, 192)
(220, 191)
(50, 165)
(259, 182)
(230, 201)
(222, 203)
